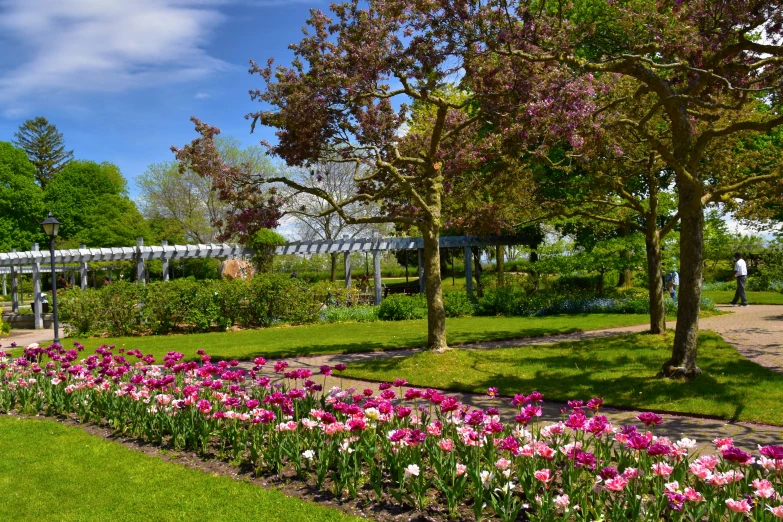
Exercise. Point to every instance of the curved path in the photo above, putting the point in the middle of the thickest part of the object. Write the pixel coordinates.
(756, 331)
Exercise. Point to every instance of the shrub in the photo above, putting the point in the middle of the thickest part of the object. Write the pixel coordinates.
(510, 300)
(4, 327)
(279, 298)
(718, 286)
(342, 314)
(163, 309)
(82, 311)
(400, 307)
(195, 306)
(458, 304)
(332, 293)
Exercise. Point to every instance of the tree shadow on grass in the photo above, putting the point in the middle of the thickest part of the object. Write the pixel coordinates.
(612, 369)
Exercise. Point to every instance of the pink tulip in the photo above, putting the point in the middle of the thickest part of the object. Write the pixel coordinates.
(693, 496)
(502, 464)
(446, 444)
(562, 501)
(662, 469)
(763, 488)
(631, 473)
(616, 484)
(544, 475)
(738, 506)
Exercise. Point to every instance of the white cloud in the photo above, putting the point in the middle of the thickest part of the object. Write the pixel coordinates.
(64, 46)
(202, 95)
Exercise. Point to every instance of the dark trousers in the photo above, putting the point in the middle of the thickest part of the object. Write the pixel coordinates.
(740, 294)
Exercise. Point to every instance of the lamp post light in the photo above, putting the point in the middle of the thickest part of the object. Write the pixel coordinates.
(51, 226)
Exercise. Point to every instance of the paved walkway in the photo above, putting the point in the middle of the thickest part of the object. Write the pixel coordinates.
(756, 331)
(25, 337)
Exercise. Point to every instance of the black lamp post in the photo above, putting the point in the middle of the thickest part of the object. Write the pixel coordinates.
(51, 226)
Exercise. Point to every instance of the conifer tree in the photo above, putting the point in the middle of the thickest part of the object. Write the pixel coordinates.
(43, 144)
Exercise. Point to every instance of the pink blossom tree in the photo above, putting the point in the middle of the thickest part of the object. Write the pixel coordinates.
(680, 78)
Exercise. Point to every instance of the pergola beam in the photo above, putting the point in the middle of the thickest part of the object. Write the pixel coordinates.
(143, 253)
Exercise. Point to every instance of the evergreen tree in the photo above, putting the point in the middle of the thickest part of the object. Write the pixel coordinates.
(44, 146)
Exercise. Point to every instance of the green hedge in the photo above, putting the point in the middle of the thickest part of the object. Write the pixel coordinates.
(511, 300)
(195, 306)
(400, 307)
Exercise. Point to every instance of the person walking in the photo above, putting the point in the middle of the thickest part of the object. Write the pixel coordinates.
(741, 276)
(675, 282)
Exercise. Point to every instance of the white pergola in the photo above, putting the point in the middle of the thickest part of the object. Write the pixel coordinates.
(35, 261)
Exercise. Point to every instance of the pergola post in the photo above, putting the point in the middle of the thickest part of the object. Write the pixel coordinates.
(83, 272)
(165, 261)
(5, 292)
(376, 261)
(347, 269)
(139, 262)
(37, 304)
(469, 271)
(422, 282)
(14, 289)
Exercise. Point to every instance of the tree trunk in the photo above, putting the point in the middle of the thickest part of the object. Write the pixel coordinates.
(333, 256)
(500, 261)
(533, 271)
(477, 271)
(625, 280)
(436, 313)
(686, 337)
(600, 288)
(655, 280)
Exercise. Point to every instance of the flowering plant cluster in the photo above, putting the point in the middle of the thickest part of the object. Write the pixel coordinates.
(419, 447)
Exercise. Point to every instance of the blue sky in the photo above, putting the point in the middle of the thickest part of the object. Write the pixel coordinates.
(121, 78)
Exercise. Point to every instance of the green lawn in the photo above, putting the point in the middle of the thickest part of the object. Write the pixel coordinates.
(360, 337)
(725, 297)
(622, 370)
(54, 472)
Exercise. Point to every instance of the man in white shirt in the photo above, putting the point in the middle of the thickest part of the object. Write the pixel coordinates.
(741, 275)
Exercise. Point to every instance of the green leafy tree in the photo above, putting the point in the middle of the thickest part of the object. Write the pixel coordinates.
(632, 191)
(315, 220)
(701, 78)
(264, 242)
(189, 200)
(44, 145)
(91, 202)
(717, 241)
(21, 200)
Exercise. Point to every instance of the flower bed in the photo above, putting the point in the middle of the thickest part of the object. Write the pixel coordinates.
(418, 447)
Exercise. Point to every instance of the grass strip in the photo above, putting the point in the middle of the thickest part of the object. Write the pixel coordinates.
(50, 471)
(360, 337)
(725, 297)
